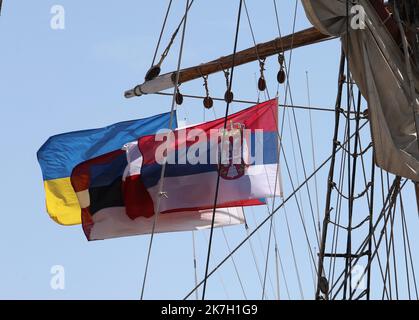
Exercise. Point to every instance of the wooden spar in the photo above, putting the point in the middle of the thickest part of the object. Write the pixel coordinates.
(263, 50)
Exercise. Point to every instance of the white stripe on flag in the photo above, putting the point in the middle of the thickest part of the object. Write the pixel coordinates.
(114, 223)
(198, 190)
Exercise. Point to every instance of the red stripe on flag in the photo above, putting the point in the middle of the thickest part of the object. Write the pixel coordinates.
(235, 204)
(262, 116)
(138, 202)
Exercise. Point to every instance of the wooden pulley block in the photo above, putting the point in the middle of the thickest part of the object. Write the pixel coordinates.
(152, 73)
(229, 96)
(281, 76)
(324, 285)
(179, 98)
(262, 84)
(208, 103)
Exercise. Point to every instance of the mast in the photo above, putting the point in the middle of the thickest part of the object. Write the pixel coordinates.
(322, 285)
(281, 44)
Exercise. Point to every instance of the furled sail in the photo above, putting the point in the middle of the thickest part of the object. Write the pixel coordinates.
(378, 66)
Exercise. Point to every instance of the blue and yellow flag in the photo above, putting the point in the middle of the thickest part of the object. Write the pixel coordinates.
(61, 153)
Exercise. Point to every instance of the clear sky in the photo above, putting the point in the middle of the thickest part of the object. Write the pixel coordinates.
(55, 81)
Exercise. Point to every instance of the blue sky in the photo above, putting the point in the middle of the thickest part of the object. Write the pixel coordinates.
(54, 81)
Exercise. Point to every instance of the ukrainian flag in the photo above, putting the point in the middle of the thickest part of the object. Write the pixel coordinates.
(61, 153)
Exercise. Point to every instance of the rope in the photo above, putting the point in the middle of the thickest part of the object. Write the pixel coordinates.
(172, 39)
(261, 61)
(338, 216)
(254, 257)
(293, 255)
(219, 160)
(371, 209)
(267, 258)
(313, 155)
(278, 292)
(271, 227)
(223, 231)
(236, 270)
(405, 250)
(389, 247)
(165, 160)
(299, 107)
(407, 240)
(219, 275)
(296, 192)
(161, 32)
(387, 204)
(284, 277)
(299, 210)
(396, 191)
(280, 37)
(348, 128)
(266, 220)
(195, 266)
(288, 91)
(261, 247)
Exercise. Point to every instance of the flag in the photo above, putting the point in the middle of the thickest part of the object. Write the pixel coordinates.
(111, 192)
(61, 153)
(249, 167)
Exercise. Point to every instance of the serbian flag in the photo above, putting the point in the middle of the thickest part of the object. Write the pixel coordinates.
(244, 155)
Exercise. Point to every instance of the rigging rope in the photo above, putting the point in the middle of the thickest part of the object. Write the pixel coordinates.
(262, 250)
(407, 240)
(236, 270)
(328, 208)
(300, 287)
(389, 201)
(253, 102)
(254, 257)
(261, 61)
(396, 191)
(348, 128)
(220, 276)
(223, 231)
(278, 291)
(370, 202)
(195, 266)
(152, 73)
(312, 151)
(288, 92)
(266, 220)
(284, 276)
(219, 158)
(161, 184)
(266, 91)
(161, 32)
